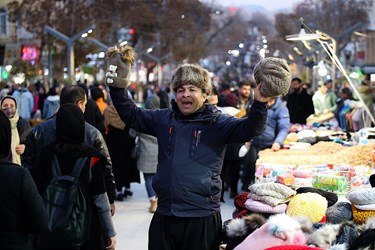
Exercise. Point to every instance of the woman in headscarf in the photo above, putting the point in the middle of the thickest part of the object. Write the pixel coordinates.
(22, 211)
(69, 147)
(19, 126)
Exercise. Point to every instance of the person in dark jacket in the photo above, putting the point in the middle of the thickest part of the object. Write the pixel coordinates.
(68, 148)
(20, 128)
(92, 112)
(44, 133)
(277, 129)
(192, 138)
(22, 210)
(299, 104)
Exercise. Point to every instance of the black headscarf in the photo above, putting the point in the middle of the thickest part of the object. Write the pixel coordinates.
(70, 129)
(5, 136)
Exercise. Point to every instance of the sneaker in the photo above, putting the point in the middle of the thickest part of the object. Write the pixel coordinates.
(119, 197)
(153, 205)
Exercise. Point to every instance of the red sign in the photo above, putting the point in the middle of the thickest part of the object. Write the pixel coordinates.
(29, 53)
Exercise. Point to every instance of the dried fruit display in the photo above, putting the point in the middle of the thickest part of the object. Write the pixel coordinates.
(320, 153)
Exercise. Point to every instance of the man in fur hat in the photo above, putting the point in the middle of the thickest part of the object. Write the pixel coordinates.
(192, 139)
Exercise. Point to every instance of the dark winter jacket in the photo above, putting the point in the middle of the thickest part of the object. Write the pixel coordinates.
(93, 116)
(191, 150)
(277, 126)
(300, 106)
(23, 128)
(22, 210)
(44, 134)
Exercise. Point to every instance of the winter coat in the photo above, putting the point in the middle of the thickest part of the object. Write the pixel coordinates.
(51, 105)
(22, 210)
(277, 126)
(366, 94)
(25, 102)
(148, 153)
(300, 106)
(191, 149)
(329, 102)
(93, 116)
(44, 134)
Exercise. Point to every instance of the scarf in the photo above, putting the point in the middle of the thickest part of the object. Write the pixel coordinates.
(16, 158)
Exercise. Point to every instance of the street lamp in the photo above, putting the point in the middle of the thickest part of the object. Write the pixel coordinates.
(322, 38)
(330, 49)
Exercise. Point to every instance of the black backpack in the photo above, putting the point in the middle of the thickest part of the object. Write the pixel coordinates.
(67, 208)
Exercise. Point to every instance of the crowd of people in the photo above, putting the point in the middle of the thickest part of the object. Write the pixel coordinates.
(185, 142)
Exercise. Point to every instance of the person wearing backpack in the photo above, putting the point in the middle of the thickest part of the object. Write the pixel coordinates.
(69, 148)
(21, 211)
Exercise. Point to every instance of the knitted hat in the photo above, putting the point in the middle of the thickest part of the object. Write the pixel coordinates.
(279, 230)
(361, 216)
(312, 205)
(119, 61)
(293, 247)
(340, 212)
(191, 74)
(239, 200)
(271, 193)
(331, 197)
(275, 76)
(260, 207)
(230, 100)
(361, 196)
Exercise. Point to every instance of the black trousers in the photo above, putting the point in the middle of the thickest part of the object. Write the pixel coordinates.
(184, 233)
(248, 171)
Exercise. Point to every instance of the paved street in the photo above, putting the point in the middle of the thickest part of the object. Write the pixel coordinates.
(132, 218)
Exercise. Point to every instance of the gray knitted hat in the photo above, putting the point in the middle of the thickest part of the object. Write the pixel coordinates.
(187, 74)
(340, 212)
(275, 76)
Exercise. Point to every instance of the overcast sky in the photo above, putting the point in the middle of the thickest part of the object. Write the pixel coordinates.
(268, 4)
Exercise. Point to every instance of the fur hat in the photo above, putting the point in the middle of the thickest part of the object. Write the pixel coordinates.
(238, 229)
(119, 61)
(324, 236)
(261, 207)
(340, 212)
(312, 205)
(194, 75)
(279, 230)
(275, 76)
(331, 197)
(365, 241)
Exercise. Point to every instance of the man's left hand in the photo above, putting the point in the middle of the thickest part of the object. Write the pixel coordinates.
(113, 209)
(275, 146)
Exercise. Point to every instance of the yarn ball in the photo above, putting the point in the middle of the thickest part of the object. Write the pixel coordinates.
(361, 216)
(239, 201)
(332, 198)
(312, 205)
(275, 76)
(261, 207)
(361, 196)
(340, 212)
